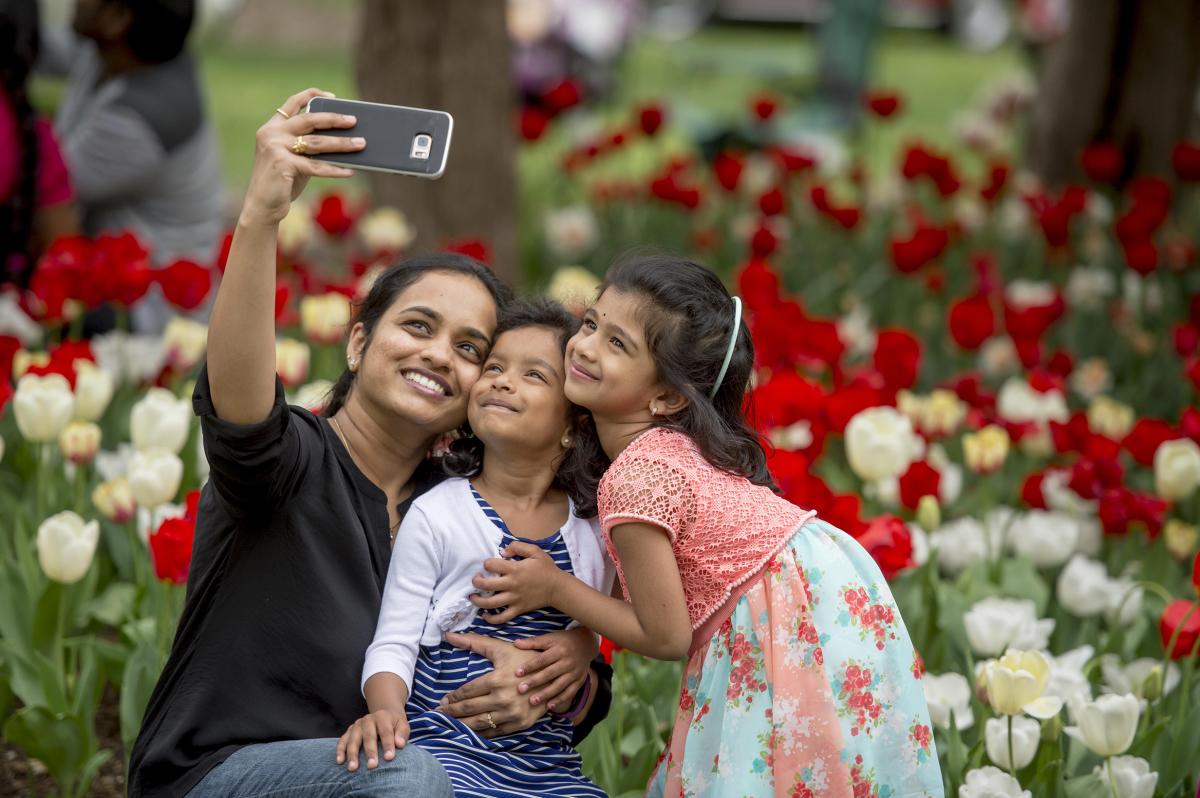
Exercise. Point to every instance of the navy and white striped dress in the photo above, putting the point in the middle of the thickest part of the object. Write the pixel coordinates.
(536, 762)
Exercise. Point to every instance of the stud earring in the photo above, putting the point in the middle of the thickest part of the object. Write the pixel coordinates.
(566, 441)
(654, 410)
(353, 364)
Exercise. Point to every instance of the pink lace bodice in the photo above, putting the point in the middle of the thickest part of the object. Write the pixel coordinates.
(723, 528)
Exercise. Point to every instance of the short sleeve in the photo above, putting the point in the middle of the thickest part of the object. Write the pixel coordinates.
(53, 182)
(650, 490)
(253, 466)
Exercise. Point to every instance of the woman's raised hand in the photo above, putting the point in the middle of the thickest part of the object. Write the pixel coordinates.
(280, 172)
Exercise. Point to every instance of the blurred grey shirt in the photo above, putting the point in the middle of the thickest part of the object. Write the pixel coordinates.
(143, 156)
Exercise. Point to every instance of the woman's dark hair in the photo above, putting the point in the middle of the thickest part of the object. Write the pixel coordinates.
(19, 44)
(393, 282)
(573, 475)
(687, 315)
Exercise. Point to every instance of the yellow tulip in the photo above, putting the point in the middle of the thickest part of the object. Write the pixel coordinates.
(1016, 683)
(986, 450)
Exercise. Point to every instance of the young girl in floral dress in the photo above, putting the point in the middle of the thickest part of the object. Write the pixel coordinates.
(801, 679)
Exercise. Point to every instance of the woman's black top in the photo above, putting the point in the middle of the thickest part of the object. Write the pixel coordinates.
(288, 567)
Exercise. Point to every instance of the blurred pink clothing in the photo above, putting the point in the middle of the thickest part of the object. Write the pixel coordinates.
(53, 182)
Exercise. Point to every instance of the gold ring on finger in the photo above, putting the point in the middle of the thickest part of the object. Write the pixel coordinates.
(283, 113)
(299, 146)
(491, 722)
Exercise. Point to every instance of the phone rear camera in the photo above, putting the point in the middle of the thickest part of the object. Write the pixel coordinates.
(421, 145)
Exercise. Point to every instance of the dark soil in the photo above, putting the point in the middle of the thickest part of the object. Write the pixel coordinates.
(23, 776)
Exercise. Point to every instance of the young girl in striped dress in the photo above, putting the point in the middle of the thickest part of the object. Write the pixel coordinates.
(801, 679)
(518, 412)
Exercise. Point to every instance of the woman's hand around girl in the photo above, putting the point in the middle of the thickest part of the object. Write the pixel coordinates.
(384, 728)
(519, 585)
(522, 687)
(281, 163)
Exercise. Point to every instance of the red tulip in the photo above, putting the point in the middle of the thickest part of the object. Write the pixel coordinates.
(185, 283)
(650, 118)
(972, 321)
(771, 202)
(764, 107)
(223, 252)
(883, 103)
(920, 161)
(562, 95)
(1191, 368)
(758, 285)
(333, 215)
(1186, 336)
(728, 169)
(1031, 490)
(844, 403)
(1102, 162)
(1196, 573)
(532, 122)
(924, 245)
(1182, 618)
(889, 542)
(793, 161)
(1185, 158)
(1189, 423)
(608, 648)
(921, 479)
(997, 178)
(1145, 438)
(1140, 255)
(475, 248)
(764, 242)
(897, 357)
(171, 549)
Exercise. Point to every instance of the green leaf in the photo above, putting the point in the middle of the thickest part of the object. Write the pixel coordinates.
(1086, 786)
(45, 616)
(1019, 579)
(141, 672)
(59, 740)
(113, 606)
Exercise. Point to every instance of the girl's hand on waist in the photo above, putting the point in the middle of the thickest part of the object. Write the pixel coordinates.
(518, 585)
(385, 726)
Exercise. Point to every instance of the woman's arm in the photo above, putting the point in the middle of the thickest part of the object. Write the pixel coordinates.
(241, 337)
(655, 623)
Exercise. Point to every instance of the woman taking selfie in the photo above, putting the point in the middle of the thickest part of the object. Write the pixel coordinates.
(297, 521)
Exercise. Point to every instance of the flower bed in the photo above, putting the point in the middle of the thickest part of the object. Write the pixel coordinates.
(992, 385)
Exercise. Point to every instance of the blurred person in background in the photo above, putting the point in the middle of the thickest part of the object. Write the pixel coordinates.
(136, 134)
(36, 201)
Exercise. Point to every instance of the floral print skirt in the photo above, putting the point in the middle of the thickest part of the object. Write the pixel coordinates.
(810, 688)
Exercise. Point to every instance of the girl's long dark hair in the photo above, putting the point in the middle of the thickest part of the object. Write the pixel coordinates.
(391, 284)
(574, 472)
(687, 315)
(19, 44)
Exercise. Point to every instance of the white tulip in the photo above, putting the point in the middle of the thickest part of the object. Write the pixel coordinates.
(1106, 725)
(1046, 538)
(79, 442)
(130, 358)
(114, 500)
(43, 406)
(1084, 587)
(1177, 469)
(1130, 679)
(1019, 403)
(1067, 679)
(385, 230)
(185, 341)
(66, 546)
(148, 521)
(950, 484)
(313, 396)
(880, 443)
(291, 361)
(571, 232)
(991, 782)
(1124, 601)
(995, 625)
(324, 317)
(93, 390)
(1131, 774)
(160, 421)
(573, 287)
(1059, 496)
(1026, 734)
(112, 464)
(998, 357)
(946, 693)
(154, 477)
(963, 542)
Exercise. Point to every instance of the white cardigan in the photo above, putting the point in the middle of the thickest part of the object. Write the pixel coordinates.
(440, 547)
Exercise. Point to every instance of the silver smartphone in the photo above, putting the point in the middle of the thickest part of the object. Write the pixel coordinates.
(400, 140)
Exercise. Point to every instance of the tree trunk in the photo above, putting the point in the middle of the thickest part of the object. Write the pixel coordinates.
(1125, 72)
(450, 55)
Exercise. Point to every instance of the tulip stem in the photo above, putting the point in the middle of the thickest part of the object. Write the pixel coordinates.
(1012, 762)
(135, 552)
(80, 488)
(1112, 779)
(40, 451)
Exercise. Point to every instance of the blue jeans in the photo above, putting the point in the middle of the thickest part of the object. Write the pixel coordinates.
(302, 768)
